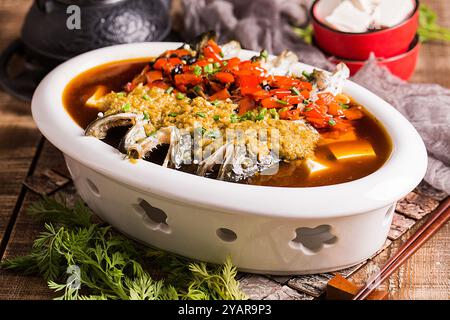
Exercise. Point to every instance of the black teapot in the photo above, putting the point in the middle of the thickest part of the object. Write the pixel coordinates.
(56, 30)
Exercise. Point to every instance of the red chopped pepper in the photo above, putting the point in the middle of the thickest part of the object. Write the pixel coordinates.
(224, 77)
(245, 104)
(153, 76)
(187, 79)
(220, 95)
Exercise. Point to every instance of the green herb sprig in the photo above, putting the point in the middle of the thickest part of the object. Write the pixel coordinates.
(111, 266)
(429, 30)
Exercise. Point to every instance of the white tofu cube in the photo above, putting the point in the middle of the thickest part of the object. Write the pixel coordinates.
(390, 13)
(94, 101)
(367, 6)
(347, 150)
(315, 166)
(346, 17)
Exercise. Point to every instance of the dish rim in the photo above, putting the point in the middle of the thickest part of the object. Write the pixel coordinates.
(392, 181)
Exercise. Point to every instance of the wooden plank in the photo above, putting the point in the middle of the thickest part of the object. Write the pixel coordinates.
(287, 293)
(314, 284)
(258, 287)
(14, 285)
(416, 205)
(400, 224)
(18, 135)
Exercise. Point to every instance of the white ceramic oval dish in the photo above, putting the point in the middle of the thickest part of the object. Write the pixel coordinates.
(264, 229)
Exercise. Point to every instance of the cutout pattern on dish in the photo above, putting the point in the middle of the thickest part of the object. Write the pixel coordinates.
(93, 187)
(226, 235)
(154, 218)
(312, 240)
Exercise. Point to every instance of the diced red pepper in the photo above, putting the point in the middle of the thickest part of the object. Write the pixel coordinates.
(280, 93)
(211, 43)
(304, 85)
(353, 113)
(224, 77)
(153, 76)
(159, 64)
(245, 104)
(305, 94)
(220, 95)
(325, 98)
(270, 103)
(335, 109)
(209, 53)
(159, 84)
(250, 81)
(187, 79)
(293, 99)
(284, 82)
(293, 114)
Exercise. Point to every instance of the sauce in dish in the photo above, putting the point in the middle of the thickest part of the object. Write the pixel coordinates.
(311, 153)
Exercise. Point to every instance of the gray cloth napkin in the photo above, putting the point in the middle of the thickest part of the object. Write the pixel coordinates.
(259, 24)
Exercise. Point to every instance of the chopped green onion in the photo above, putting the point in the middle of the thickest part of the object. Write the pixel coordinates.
(225, 63)
(216, 117)
(173, 114)
(274, 114)
(234, 118)
(197, 70)
(203, 130)
(217, 65)
(179, 96)
(146, 97)
(169, 90)
(247, 116)
(208, 69)
(126, 107)
(264, 54)
(197, 89)
(282, 110)
(307, 75)
(282, 102)
(215, 103)
(308, 109)
(121, 94)
(146, 115)
(261, 115)
(295, 91)
(306, 101)
(221, 54)
(345, 106)
(331, 122)
(201, 114)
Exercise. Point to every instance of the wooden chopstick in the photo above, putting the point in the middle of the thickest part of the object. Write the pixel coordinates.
(438, 218)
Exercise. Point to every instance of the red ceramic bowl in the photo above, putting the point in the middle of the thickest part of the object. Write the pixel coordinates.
(384, 43)
(402, 65)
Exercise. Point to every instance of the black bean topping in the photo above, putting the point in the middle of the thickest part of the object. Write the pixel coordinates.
(177, 70)
(191, 60)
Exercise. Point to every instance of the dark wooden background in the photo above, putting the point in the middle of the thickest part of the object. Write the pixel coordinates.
(23, 152)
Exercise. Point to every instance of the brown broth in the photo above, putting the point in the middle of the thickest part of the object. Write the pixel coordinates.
(295, 174)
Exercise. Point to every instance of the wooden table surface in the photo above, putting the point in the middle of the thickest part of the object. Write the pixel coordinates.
(23, 151)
